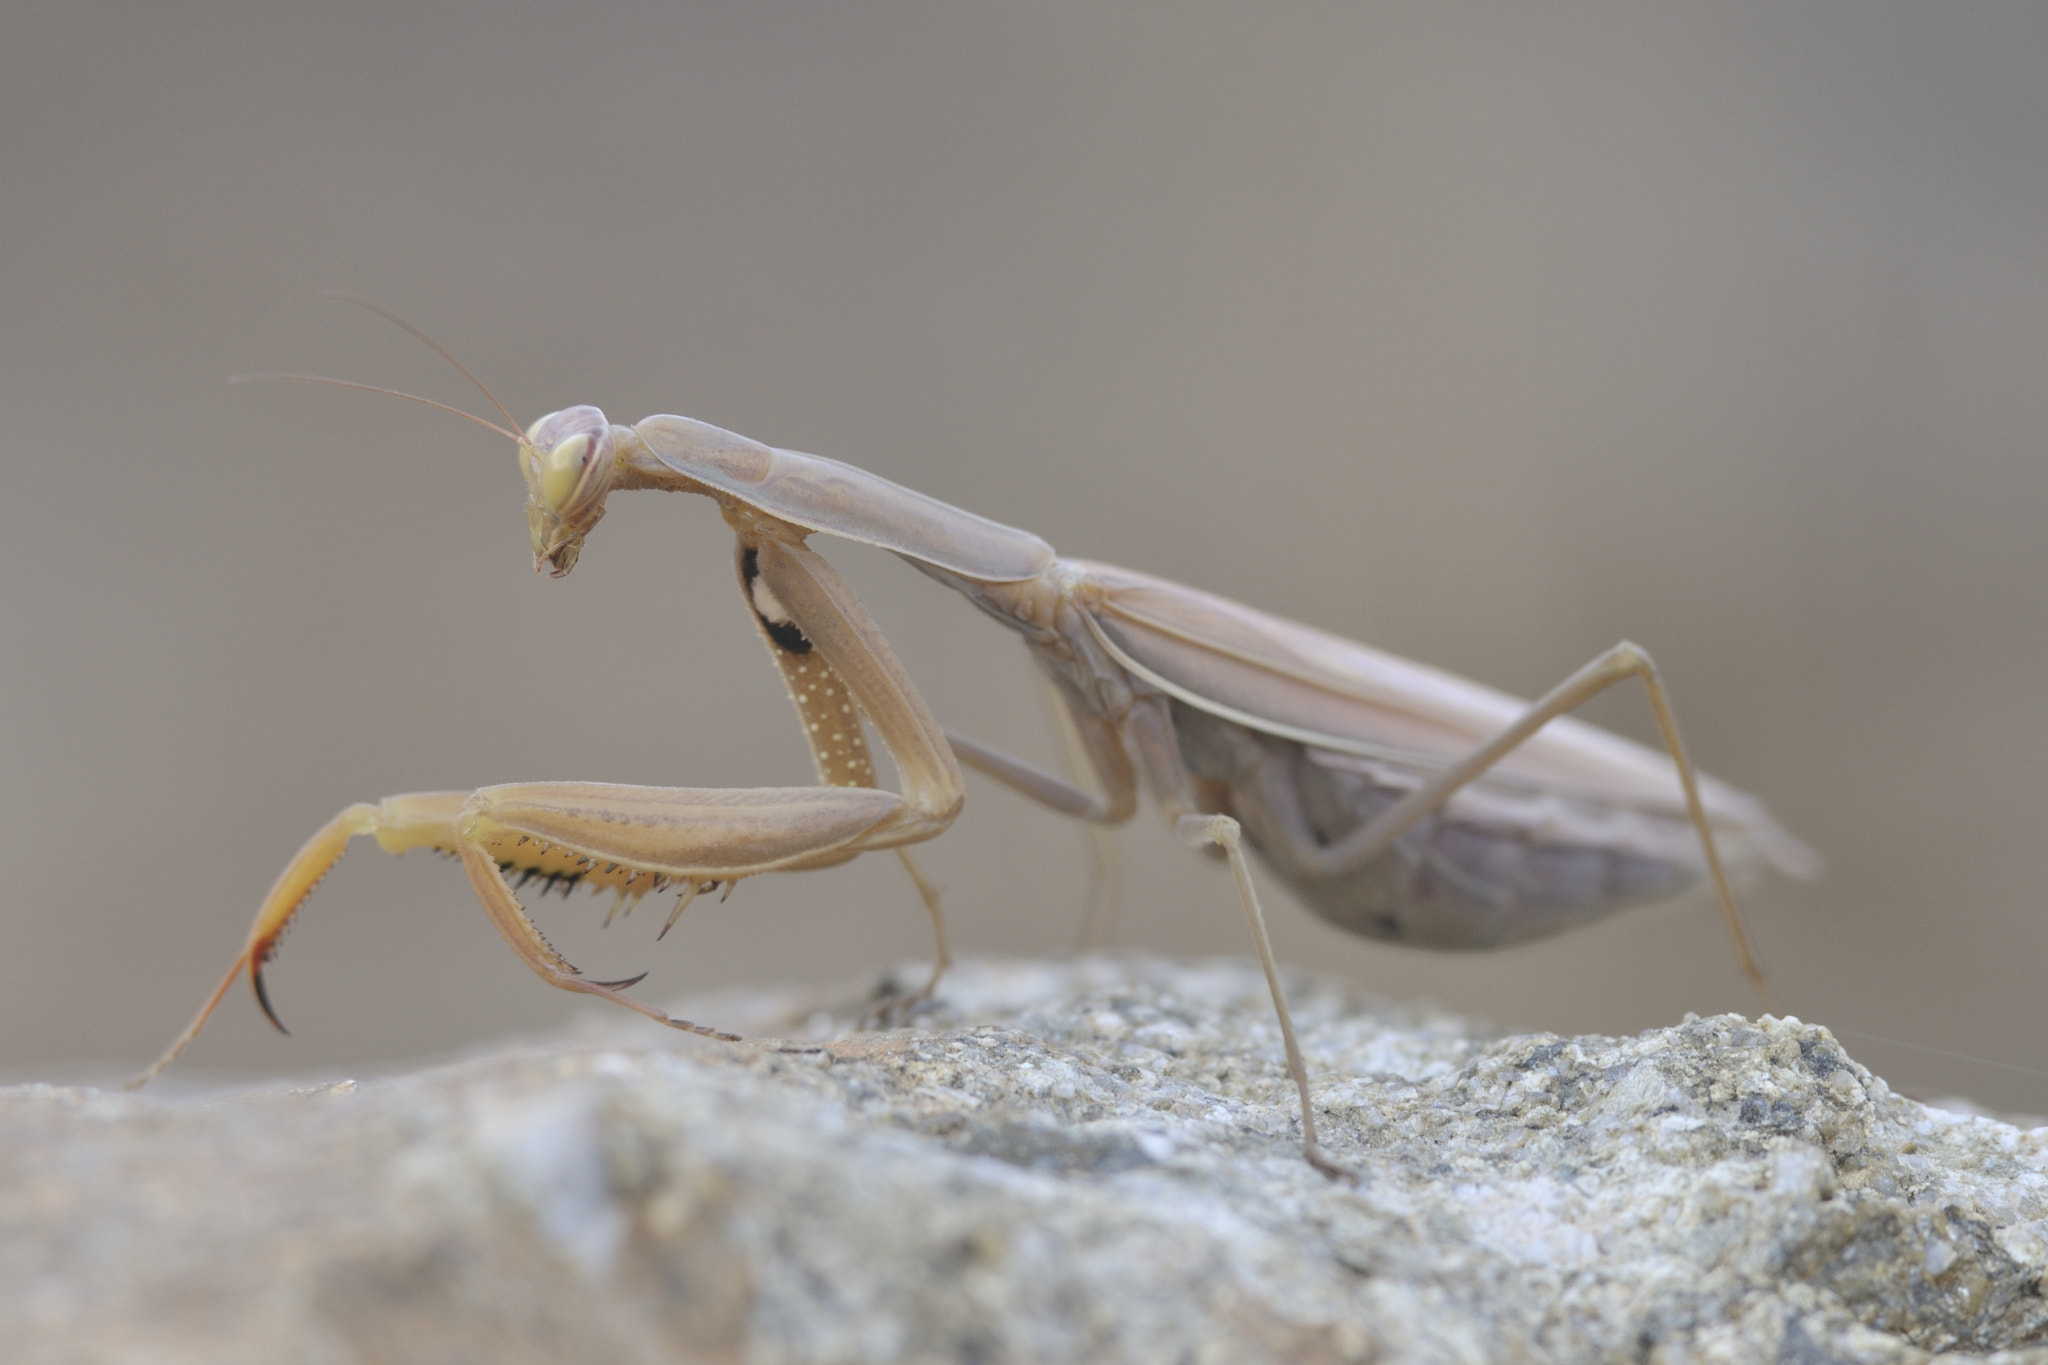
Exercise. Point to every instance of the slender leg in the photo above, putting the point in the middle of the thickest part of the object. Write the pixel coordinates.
(1098, 814)
(1618, 664)
(1085, 741)
(1105, 890)
(904, 1003)
(1150, 730)
(942, 956)
(1037, 785)
(1105, 860)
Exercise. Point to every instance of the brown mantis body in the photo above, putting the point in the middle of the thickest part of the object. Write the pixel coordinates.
(1401, 802)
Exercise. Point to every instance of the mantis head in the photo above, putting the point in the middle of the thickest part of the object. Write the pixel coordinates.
(567, 458)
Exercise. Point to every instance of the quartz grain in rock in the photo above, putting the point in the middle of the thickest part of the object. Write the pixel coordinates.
(1084, 1161)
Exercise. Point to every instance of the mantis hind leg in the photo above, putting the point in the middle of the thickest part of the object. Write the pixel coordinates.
(1618, 664)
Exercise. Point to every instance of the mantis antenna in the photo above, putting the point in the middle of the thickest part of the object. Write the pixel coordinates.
(371, 388)
(436, 347)
(511, 428)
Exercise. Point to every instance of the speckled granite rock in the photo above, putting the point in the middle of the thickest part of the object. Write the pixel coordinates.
(1088, 1161)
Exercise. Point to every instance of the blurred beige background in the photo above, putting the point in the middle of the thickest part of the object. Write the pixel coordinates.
(1488, 334)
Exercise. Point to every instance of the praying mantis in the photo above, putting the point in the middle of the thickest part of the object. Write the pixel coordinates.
(1400, 802)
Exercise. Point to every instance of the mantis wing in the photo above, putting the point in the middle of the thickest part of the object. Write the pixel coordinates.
(1361, 707)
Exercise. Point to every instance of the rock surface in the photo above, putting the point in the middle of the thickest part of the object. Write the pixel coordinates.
(1084, 1161)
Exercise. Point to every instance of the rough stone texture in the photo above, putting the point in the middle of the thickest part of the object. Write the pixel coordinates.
(1088, 1161)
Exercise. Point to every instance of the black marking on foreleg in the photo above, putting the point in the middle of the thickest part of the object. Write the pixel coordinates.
(768, 609)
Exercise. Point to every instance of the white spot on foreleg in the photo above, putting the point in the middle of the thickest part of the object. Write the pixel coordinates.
(767, 603)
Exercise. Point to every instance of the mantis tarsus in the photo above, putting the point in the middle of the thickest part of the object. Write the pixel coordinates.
(1401, 802)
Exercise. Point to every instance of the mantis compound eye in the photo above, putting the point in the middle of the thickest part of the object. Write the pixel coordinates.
(562, 470)
(567, 459)
(568, 455)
